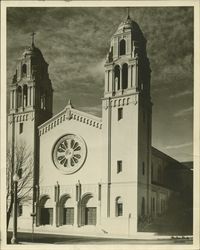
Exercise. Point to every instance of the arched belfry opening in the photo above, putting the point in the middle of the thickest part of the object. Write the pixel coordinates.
(43, 101)
(25, 95)
(24, 69)
(19, 96)
(122, 47)
(125, 76)
(88, 210)
(66, 210)
(117, 78)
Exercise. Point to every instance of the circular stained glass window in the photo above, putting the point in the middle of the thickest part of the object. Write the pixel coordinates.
(69, 153)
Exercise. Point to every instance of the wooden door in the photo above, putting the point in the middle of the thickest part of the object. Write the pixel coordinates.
(90, 216)
(46, 216)
(68, 216)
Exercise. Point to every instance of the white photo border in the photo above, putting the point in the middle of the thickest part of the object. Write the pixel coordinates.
(196, 120)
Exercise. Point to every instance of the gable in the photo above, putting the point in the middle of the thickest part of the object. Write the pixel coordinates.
(67, 115)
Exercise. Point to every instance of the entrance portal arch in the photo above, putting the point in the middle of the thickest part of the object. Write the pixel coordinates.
(45, 211)
(88, 210)
(66, 210)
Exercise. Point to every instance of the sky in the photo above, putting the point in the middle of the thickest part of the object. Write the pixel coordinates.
(74, 42)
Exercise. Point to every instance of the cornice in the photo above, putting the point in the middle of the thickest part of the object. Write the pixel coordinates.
(70, 113)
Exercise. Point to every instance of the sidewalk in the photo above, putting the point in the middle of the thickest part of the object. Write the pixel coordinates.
(89, 231)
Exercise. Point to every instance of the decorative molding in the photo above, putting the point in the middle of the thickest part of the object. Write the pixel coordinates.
(68, 114)
(135, 101)
(19, 118)
(117, 102)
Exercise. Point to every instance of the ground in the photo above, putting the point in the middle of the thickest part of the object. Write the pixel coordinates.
(38, 238)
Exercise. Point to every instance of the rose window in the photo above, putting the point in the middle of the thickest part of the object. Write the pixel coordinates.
(69, 153)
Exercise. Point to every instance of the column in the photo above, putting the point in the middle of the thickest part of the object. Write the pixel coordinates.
(15, 99)
(106, 82)
(130, 76)
(99, 203)
(113, 82)
(11, 99)
(19, 72)
(76, 214)
(136, 73)
(120, 77)
(58, 215)
(54, 214)
(38, 214)
(28, 69)
(32, 96)
(28, 96)
(99, 213)
(22, 99)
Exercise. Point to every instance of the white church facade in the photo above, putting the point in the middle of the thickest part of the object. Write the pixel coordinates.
(90, 171)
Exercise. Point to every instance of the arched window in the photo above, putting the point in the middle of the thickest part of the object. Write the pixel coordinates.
(125, 76)
(119, 206)
(117, 77)
(122, 47)
(25, 95)
(143, 207)
(24, 69)
(110, 55)
(42, 102)
(19, 96)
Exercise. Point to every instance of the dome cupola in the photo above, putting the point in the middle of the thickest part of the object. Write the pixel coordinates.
(31, 87)
(127, 61)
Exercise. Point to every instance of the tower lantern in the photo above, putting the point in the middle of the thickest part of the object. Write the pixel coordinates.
(127, 66)
(31, 81)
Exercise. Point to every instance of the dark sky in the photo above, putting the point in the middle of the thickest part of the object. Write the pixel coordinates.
(75, 41)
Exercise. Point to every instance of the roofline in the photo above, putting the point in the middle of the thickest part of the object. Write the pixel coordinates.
(168, 157)
(96, 118)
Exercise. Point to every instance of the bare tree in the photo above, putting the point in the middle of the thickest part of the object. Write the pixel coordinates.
(20, 161)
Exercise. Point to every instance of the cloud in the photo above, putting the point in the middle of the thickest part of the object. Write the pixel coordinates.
(95, 110)
(184, 112)
(188, 144)
(181, 94)
(75, 41)
(97, 69)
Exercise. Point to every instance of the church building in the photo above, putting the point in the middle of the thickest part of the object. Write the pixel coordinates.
(93, 171)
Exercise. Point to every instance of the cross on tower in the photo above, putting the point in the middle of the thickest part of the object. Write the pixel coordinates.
(128, 17)
(32, 35)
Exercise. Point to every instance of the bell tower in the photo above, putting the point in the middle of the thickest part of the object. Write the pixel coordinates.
(127, 66)
(31, 99)
(126, 109)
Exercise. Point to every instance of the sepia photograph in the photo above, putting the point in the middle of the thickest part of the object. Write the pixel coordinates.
(98, 124)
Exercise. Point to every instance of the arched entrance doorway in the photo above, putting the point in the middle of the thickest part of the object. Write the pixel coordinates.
(66, 210)
(45, 211)
(88, 210)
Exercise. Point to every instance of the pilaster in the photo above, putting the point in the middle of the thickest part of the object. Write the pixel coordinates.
(76, 214)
